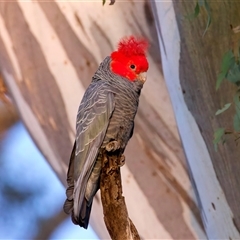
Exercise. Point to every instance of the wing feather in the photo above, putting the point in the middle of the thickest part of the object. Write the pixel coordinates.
(92, 121)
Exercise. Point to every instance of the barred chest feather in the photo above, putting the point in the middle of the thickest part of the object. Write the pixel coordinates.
(126, 96)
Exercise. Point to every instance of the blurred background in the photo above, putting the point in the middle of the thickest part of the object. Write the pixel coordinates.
(49, 51)
(31, 195)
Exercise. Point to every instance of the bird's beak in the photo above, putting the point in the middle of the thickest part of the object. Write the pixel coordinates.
(142, 77)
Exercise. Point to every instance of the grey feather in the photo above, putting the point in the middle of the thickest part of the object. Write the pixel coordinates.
(92, 121)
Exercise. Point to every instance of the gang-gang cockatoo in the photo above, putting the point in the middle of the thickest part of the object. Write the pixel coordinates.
(105, 122)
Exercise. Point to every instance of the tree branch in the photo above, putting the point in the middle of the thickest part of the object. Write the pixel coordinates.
(118, 224)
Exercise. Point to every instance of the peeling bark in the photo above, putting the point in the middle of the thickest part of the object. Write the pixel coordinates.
(118, 224)
(191, 64)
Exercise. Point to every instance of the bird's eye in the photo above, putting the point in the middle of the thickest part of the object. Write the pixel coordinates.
(132, 66)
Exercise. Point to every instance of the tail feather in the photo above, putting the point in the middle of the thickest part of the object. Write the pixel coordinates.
(80, 217)
(68, 206)
(84, 214)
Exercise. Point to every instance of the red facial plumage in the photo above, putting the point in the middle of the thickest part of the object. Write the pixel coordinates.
(131, 51)
(132, 46)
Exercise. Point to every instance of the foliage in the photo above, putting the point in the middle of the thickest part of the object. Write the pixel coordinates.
(230, 71)
(227, 64)
(226, 106)
(202, 4)
(111, 2)
(218, 136)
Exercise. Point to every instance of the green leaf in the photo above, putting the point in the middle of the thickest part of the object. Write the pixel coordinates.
(228, 62)
(220, 78)
(218, 134)
(103, 2)
(234, 74)
(196, 10)
(201, 3)
(208, 13)
(195, 14)
(227, 106)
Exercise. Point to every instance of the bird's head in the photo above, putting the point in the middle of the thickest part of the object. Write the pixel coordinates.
(130, 60)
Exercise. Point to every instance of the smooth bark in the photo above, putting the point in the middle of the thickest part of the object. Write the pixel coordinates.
(191, 63)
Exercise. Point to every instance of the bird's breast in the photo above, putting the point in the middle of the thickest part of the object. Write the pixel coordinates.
(122, 120)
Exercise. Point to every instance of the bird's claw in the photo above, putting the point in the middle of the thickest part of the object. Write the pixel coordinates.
(113, 146)
(121, 161)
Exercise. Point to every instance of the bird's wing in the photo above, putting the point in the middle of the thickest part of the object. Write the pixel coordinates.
(68, 205)
(93, 117)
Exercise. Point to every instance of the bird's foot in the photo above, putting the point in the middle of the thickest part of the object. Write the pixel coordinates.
(121, 161)
(113, 146)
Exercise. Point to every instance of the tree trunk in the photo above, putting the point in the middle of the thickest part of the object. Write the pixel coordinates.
(191, 63)
(48, 53)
